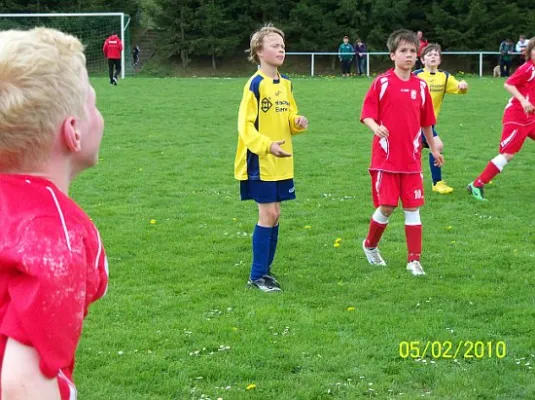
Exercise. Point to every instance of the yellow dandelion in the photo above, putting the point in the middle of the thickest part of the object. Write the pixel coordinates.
(251, 386)
(338, 240)
(152, 221)
(308, 227)
(337, 245)
(351, 308)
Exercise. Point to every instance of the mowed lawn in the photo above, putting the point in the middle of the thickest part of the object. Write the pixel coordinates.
(178, 321)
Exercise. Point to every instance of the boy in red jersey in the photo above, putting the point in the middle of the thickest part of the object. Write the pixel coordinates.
(397, 108)
(518, 121)
(52, 262)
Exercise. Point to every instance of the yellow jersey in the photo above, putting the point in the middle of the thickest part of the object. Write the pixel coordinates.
(267, 114)
(440, 83)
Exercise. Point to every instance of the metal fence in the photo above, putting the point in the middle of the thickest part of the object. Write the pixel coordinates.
(371, 55)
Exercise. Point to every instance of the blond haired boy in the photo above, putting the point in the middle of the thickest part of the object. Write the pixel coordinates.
(52, 262)
(267, 120)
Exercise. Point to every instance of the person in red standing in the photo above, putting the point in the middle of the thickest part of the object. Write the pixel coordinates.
(518, 121)
(397, 107)
(421, 46)
(52, 261)
(112, 51)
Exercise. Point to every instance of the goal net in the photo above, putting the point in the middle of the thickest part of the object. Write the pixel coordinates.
(91, 28)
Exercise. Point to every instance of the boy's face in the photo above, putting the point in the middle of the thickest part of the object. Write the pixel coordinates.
(532, 55)
(272, 51)
(405, 56)
(90, 129)
(346, 40)
(432, 59)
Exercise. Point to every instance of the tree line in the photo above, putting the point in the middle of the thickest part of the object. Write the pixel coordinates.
(222, 28)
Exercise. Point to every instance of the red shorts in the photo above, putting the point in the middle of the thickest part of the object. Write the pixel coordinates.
(513, 137)
(388, 188)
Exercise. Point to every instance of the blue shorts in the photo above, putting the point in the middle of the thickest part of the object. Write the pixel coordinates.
(424, 140)
(267, 192)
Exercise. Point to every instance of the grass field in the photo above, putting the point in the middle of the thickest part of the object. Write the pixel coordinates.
(178, 321)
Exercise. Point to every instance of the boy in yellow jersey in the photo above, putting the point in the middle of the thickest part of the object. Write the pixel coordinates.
(440, 82)
(267, 121)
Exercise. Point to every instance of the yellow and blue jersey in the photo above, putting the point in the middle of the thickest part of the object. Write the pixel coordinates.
(440, 83)
(267, 114)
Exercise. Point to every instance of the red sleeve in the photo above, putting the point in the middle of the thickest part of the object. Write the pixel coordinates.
(47, 293)
(520, 76)
(427, 114)
(370, 107)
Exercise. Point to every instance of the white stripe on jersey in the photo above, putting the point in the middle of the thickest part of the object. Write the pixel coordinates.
(60, 217)
(384, 85)
(99, 252)
(73, 393)
(422, 92)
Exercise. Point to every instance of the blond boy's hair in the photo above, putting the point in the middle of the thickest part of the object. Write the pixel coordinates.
(257, 40)
(41, 75)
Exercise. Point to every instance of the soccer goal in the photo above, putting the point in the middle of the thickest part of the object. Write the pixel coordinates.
(91, 28)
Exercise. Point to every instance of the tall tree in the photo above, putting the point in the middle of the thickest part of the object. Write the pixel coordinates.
(176, 18)
(216, 31)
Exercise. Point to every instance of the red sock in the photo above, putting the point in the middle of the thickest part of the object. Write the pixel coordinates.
(414, 241)
(374, 234)
(486, 176)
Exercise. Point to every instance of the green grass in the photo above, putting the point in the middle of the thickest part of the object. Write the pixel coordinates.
(177, 291)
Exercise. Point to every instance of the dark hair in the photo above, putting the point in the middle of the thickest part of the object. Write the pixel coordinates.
(345, 36)
(430, 47)
(401, 35)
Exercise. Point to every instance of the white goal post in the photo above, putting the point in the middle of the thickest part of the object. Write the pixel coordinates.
(124, 22)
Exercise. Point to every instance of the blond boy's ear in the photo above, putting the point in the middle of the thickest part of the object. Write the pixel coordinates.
(70, 135)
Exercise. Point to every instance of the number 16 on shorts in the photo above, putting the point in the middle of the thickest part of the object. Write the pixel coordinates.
(452, 350)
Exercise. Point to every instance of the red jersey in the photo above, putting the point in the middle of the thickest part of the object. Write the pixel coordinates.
(113, 47)
(52, 266)
(403, 107)
(524, 80)
(423, 45)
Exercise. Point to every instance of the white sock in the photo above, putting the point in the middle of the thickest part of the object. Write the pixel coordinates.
(500, 161)
(379, 217)
(412, 218)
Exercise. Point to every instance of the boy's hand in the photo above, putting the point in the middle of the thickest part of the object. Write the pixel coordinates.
(381, 131)
(528, 107)
(439, 159)
(301, 122)
(277, 150)
(462, 85)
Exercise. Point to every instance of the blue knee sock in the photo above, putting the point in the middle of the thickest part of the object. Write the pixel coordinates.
(273, 245)
(261, 249)
(436, 172)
